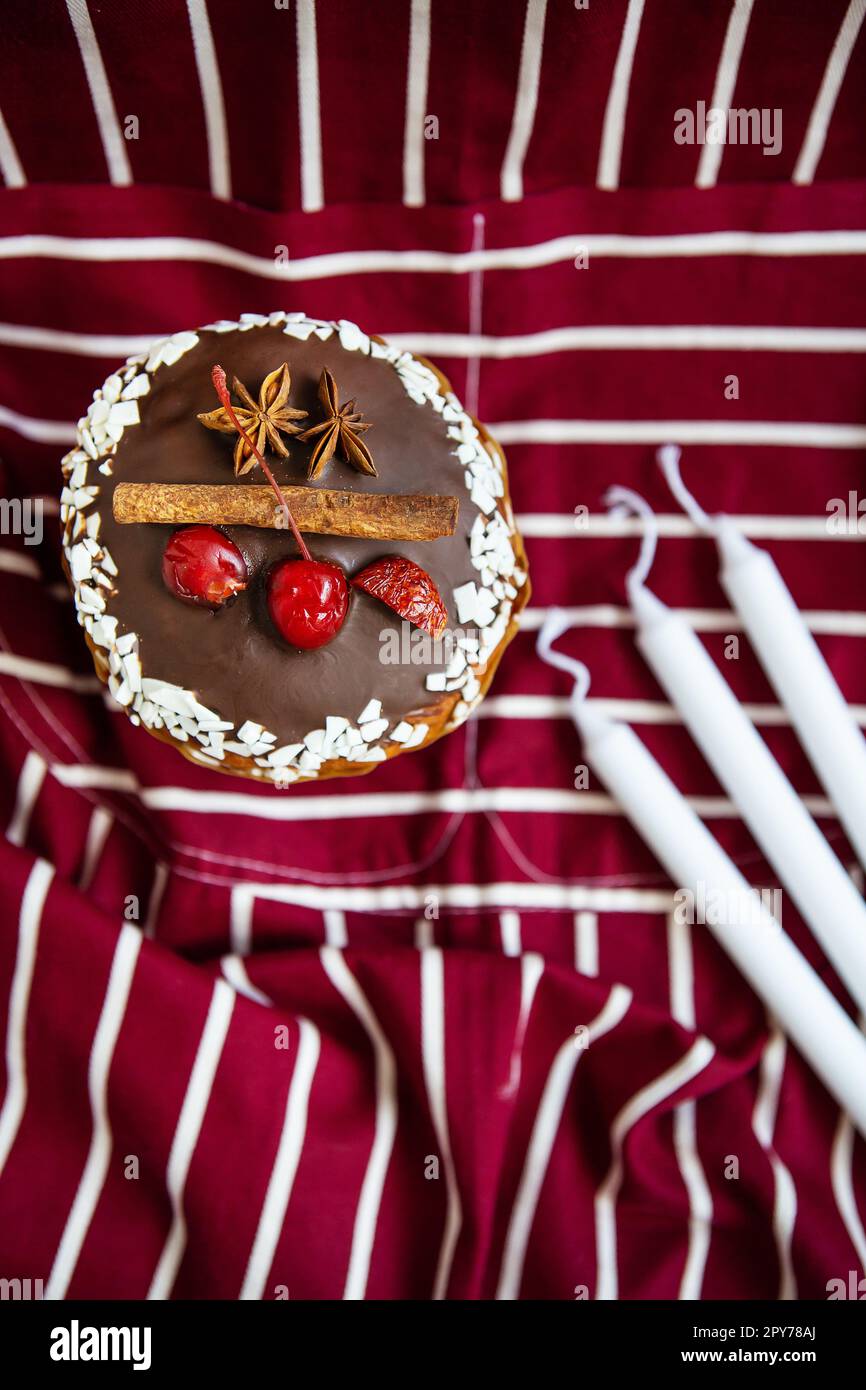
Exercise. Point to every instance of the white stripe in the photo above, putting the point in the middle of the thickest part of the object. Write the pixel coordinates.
(636, 712)
(369, 1201)
(235, 971)
(700, 1200)
(473, 801)
(801, 434)
(30, 780)
(99, 1154)
(686, 337)
(613, 131)
(81, 344)
(509, 930)
(525, 101)
(412, 897)
(842, 1152)
(113, 142)
(676, 337)
(416, 104)
(118, 779)
(212, 99)
(241, 918)
(29, 921)
(15, 562)
(681, 980)
(312, 196)
(608, 615)
(45, 673)
(544, 1132)
(586, 943)
(842, 1179)
(531, 971)
(335, 928)
(425, 937)
(825, 102)
(682, 1000)
(470, 800)
(329, 265)
(42, 431)
(764, 1125)
(723, 91)
(288, 1156)
(154, 902)
(558, 525)
(100, 824)
(695, 1060)
(433, 1058)
(189, 1124)
(476, 317)
(647, 712)
(10, 164)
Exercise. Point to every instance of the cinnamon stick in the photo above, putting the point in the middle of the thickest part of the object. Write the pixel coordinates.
(325, 511)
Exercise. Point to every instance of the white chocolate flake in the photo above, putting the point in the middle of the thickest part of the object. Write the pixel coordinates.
(373, 729)
(372, 710)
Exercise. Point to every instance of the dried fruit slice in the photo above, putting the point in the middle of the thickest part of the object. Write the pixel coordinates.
(409, 590)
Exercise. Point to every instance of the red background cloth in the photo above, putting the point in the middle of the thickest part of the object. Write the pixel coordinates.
(393, 1061)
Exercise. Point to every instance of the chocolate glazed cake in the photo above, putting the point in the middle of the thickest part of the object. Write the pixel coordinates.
(181, 508)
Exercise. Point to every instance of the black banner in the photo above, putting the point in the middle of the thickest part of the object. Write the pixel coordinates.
(70, 1339)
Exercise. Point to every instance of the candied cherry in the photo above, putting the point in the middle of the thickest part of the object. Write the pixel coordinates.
(307, 600)
(200, 565)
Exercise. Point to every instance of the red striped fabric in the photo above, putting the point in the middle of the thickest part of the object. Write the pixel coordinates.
(431, 1033)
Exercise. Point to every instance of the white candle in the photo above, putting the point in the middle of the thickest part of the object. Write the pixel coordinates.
(774, 813)
(800, 676)
(791, 658)
(769, 960)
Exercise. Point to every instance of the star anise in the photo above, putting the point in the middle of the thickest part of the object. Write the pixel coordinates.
(262, 420)
(342, 428)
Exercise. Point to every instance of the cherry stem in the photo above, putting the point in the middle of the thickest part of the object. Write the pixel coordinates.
(218, 378)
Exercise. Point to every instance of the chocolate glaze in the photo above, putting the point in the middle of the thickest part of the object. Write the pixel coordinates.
(234, 660)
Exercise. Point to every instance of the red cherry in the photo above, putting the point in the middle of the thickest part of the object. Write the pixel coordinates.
(307, 600)
(201, 565)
